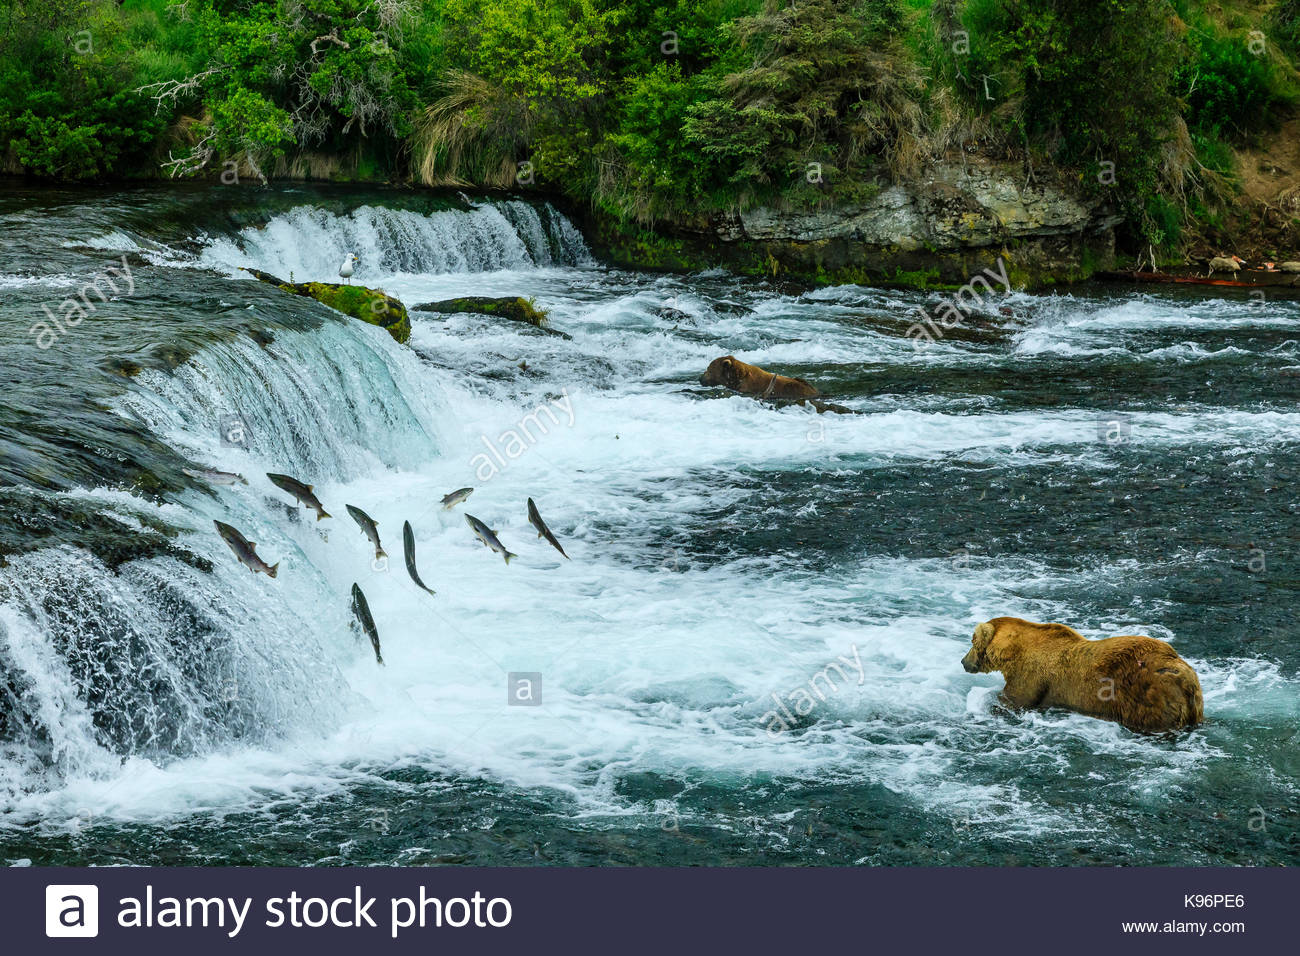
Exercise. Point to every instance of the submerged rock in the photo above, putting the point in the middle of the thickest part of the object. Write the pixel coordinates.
(514, 308)
(32, 520)
(368, 305)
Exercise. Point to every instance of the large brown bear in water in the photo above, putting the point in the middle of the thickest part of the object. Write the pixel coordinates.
(747, 379)
(1139, 682)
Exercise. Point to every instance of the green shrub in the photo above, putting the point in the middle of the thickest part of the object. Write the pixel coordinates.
(1286, 25)
(1090, 83)
(1164, 222)
(67, 106)
(1228, 88)
(821, 86)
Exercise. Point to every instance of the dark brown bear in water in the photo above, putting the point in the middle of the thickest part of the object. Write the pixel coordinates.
(747, 379)
(1139, 682)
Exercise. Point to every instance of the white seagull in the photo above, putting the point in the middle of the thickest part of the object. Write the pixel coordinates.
(346, 270)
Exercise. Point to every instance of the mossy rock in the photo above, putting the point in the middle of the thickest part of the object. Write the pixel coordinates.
(368, 305)
(514, 308)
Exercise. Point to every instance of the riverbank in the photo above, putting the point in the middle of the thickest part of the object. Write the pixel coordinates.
(908, 143)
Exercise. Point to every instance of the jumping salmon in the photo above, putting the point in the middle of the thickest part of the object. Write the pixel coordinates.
(542, 531)
(213, 477)
(489, 537)
(408, 544)
(456, 497)
(300, 491)
(243, 549)
(371, 530)
(361, 608)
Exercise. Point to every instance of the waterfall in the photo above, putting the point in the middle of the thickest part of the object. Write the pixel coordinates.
(164, 656)
(161, 659)
(309, 243)
(333, 402)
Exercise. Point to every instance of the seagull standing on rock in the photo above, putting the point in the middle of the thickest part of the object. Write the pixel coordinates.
(346, 270)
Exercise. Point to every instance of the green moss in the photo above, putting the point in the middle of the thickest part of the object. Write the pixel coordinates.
(647, 249)
(368, 305)
(1030, 276)
(920, 279)
(508, 307)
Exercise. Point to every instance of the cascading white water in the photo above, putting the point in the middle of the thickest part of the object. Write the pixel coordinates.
(309, 244)
(331, 403)
(156, 660)
(695, 591)
(160, 660)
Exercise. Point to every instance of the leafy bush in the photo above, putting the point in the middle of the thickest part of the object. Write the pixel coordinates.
(659, 170)
(817, 89)
(67, 110)
(1286, 25)
(1228, 88)
(1089, 82)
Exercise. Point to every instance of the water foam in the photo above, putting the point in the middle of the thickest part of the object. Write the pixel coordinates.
(653, 658)
(309, 244)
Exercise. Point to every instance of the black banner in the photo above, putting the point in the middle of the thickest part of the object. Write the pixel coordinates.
(648, 910)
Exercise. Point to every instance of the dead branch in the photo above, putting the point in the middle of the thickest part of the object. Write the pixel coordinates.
(166, 90)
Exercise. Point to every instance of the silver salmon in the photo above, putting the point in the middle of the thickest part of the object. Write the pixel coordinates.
(489, 537)
(542, 531)
(361, 608)
(213, 477)
(408, 544)
(243, 549)
(456, 497)
(371, 530)
(300, 491)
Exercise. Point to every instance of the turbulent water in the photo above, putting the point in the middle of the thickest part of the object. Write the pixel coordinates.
(1123, 462)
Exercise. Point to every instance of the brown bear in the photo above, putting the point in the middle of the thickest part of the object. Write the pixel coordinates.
(747, 379)
(1139, 682)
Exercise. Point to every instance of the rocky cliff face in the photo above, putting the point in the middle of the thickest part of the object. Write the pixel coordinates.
(949, 224)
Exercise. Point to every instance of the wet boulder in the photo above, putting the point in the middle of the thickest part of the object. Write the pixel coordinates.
(514, 308)
(368, 305)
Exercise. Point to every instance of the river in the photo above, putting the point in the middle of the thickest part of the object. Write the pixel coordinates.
(1123, 461)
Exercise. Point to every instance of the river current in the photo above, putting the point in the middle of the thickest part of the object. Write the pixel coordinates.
(1121, 460)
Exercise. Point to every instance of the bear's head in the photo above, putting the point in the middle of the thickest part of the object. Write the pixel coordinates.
(726, 371)
(977, 659)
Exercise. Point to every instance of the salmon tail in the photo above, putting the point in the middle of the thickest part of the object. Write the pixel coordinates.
(323, 514)
(509, 555)
(271, 571)
(380, 554)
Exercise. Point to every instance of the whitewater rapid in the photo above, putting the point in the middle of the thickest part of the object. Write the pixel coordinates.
(659, 650)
